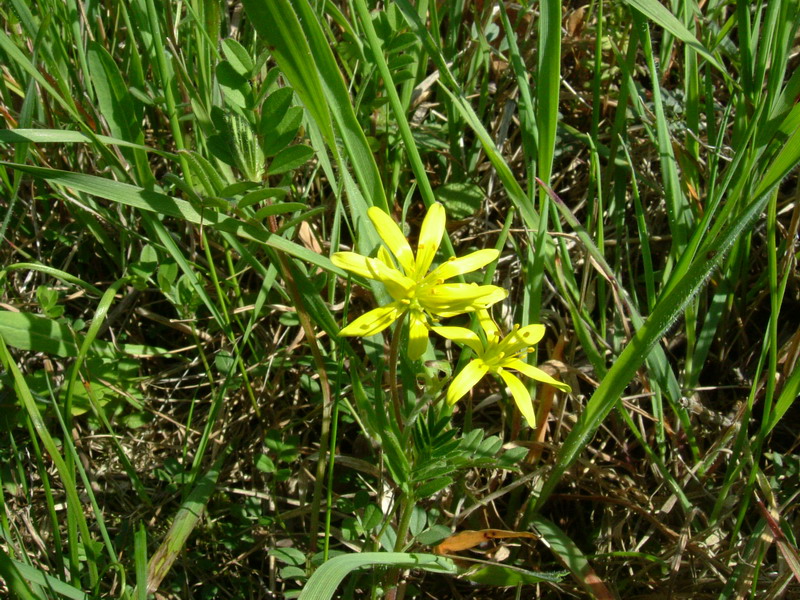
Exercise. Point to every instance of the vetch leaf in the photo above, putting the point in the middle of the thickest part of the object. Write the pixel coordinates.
(290, 158)
(238, 57)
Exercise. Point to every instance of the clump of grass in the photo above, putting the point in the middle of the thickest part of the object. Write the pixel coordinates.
(180, 416)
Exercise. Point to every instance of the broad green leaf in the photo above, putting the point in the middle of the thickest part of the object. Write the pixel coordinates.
(290, 158)
(461, 199)
(238, 57)
(235, 88)
(34, 333)
(117, 106)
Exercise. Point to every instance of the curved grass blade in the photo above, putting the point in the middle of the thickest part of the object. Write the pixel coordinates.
(56, 273)
(61, 136)
(571, 557)
(304, 55)
(14, 580)
(74, 504)
(323, 583)
(661, 16)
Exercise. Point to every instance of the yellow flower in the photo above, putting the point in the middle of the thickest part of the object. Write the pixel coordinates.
(423, 295)
(496, 356)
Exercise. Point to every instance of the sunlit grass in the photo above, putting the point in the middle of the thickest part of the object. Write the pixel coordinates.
(179, 414)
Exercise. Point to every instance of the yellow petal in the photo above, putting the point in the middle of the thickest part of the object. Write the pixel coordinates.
(464, 264)
(466, 380)
(393, 237)
(450, 299)
(385, 257)
(530, 334)
(462, 336)
(374, 321)
(397, 284)
(522, 397)
(355, 263)
(430, 236)
(537, 374)
(489, 326)
(417, 335)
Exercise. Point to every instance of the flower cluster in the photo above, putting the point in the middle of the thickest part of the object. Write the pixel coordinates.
(423, 295)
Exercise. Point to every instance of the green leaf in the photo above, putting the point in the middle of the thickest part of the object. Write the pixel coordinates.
(304, 55)
(235, 88)
(41, 578)
(507, 576)
(238, 57)
(434, 535)
(26, 331)
(461, 199)
(433, 486)
(660, 15)
(279, 121)
(290, 158)
(164, 205)
(262, 194)
(289, 556)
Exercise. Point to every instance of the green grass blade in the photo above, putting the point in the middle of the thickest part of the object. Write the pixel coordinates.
(624, 368)
(323, 583)
(304, 55)
(661, 16)
(162, 204)
(74, 504)
(569, 555)
(182, 526)
(16, 583)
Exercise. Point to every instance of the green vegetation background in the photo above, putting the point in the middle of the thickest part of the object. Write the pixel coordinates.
(179, 416)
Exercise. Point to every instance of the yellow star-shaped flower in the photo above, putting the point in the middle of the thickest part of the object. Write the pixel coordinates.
(421, 294)
(496, 356)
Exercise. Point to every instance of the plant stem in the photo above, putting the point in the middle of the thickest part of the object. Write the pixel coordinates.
(394, 355)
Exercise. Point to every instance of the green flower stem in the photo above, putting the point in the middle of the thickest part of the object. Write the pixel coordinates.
(394, 356)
